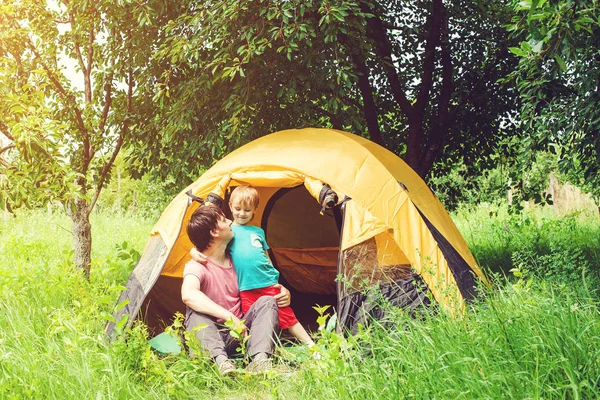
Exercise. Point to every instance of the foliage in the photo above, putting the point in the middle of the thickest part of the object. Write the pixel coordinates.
(457, 186)
(124, 195)
(512, 342)
(55, 125)
(65, 137)
(563, 265)
(557, 77)
(419, 77)
(524, 178)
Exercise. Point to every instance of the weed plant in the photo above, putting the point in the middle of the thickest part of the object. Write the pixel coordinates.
(529, 338)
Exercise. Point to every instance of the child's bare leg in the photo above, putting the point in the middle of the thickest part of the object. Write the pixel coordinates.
(300, 333)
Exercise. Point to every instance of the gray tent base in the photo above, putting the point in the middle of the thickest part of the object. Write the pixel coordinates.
(359, 308)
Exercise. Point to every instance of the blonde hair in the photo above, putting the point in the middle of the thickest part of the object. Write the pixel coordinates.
(246, 195)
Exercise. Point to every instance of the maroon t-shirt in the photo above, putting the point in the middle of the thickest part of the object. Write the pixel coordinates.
(219, 283)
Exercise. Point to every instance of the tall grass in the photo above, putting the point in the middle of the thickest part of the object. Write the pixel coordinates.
(51, 342)
(529, 338)
(534, 343)
(562, 247)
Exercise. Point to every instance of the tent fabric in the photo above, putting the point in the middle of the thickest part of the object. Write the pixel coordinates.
(141, 281)
(388, 209)
(369, 175)
(309, 270)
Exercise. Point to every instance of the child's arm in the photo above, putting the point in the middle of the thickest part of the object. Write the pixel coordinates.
(268, 257)
(198, 256)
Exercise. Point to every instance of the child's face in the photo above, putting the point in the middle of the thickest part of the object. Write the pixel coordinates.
(242, 213)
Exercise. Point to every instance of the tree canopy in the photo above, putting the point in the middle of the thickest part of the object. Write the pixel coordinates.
(69, 73)
(418, 77)
(558, 77)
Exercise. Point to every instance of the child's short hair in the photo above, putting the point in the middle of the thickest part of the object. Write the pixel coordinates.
(245, 195)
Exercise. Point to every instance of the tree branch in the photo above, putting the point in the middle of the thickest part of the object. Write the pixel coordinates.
(440, 128)
(366, 91)
(5, 132)
(392, 27)
(2, 151)
(69, 98)
(124, 131)
(433, 40)
(89, 61)
(77, 46)
(107, 101)
(86, 68)
(378, 34)
(6, 148)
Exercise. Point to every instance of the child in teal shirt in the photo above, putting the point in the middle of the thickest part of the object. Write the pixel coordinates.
(255, 272)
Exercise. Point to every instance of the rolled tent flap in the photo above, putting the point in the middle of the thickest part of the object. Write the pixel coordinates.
(222, 186)
(268, 178)
(313, 186)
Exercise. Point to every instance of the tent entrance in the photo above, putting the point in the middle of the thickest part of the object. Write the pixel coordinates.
(304, 248)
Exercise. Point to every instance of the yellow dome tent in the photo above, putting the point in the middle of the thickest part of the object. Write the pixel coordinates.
(386, 230)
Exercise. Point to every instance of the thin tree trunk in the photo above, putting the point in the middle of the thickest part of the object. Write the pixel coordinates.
(413, 144)
(134, 203)
(82, 237)
(119, 191)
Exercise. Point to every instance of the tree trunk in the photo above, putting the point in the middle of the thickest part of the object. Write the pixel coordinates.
(413, 145)
(119, 192)
(82, 237)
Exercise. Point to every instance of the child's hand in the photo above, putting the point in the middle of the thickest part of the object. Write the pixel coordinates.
(284, 297)
(198, 256)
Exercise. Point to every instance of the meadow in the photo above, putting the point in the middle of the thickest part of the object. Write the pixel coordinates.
(534, 334)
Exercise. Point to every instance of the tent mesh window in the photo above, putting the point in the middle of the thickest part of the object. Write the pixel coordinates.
(366, 287)
(360, 268)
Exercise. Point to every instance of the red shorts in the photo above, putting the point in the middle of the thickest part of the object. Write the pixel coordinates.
(287, 317)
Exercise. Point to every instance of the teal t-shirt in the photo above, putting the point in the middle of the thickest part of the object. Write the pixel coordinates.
(253, 268)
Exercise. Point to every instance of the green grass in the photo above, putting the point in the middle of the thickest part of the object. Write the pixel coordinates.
(528, 338)
(561, 247)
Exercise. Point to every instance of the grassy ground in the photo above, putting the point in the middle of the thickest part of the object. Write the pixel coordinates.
(549, 245)
(528, 338)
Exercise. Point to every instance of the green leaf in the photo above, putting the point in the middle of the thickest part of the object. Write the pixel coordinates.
(122, 304)
(517, 51)
(560, 62)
